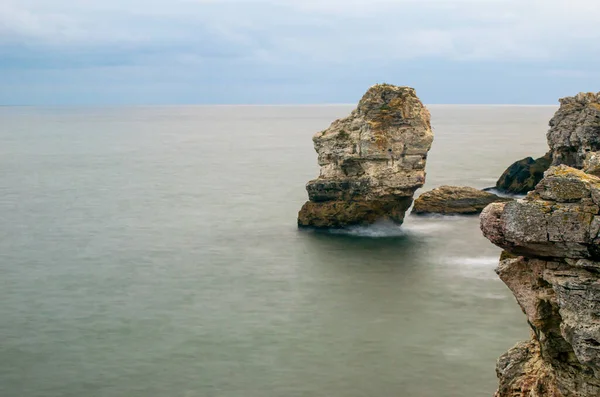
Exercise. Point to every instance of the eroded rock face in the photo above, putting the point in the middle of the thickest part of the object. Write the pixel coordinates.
(455, 200)
(371, 161)
(551, 264)
(575, 129)
(558, 219)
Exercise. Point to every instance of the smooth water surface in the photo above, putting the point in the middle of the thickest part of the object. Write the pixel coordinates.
(153, 252)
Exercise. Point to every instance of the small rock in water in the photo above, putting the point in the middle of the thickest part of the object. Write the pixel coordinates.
(522, 176)
(455, 200)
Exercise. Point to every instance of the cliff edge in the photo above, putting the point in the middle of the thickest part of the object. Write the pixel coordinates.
(551, 264)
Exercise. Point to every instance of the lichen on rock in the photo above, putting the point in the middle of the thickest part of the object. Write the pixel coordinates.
(371, 161)
(552, 266)
(575, 129)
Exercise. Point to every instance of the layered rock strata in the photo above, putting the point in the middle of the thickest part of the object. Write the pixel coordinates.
(371, 161)
(551, 263)
(450, 200)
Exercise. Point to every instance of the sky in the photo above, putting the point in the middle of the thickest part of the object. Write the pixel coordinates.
(102, 52)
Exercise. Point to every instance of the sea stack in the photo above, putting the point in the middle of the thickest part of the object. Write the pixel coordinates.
(371, 161)
(551, 263)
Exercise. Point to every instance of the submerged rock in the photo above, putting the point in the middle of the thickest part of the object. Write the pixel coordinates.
(552, 265)
(575, 129)
(455, 200)
(522, 176)
(371, 161)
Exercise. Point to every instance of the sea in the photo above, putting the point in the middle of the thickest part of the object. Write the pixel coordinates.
(153, 252)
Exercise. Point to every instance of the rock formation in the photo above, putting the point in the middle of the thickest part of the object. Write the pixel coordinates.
(371, 161)
(573, 138)
(575, 129)
(522, 176)
(551, 264)
(454, 200)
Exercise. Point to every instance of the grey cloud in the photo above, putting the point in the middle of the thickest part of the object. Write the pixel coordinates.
(324, 30)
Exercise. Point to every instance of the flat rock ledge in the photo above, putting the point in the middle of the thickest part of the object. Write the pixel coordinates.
(371, 161)
(453, 200)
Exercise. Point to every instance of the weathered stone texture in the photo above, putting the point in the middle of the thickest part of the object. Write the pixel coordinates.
(455, 200)
(552, 266)
(371, 161)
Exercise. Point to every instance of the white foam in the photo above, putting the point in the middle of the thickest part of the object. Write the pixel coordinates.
(475, 267)
(377, 230)
(426, 228)
(389, 229)
(504, 194)
(475, 261)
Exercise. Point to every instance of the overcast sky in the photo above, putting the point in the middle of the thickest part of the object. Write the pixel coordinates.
(293, 51)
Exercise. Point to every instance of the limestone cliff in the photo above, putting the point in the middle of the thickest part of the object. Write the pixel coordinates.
(575, 129)
(371, 161)
(551, 264)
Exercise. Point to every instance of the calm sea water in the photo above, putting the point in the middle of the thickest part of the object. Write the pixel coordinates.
(153, 252)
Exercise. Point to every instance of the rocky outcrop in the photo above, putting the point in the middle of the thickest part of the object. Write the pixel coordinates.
(551, 264)
(371, 161)
(522, 176)
(449, 200)
(575, 129)
(573, 138)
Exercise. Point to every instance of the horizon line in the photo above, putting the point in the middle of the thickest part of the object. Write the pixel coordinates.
(257, 105)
